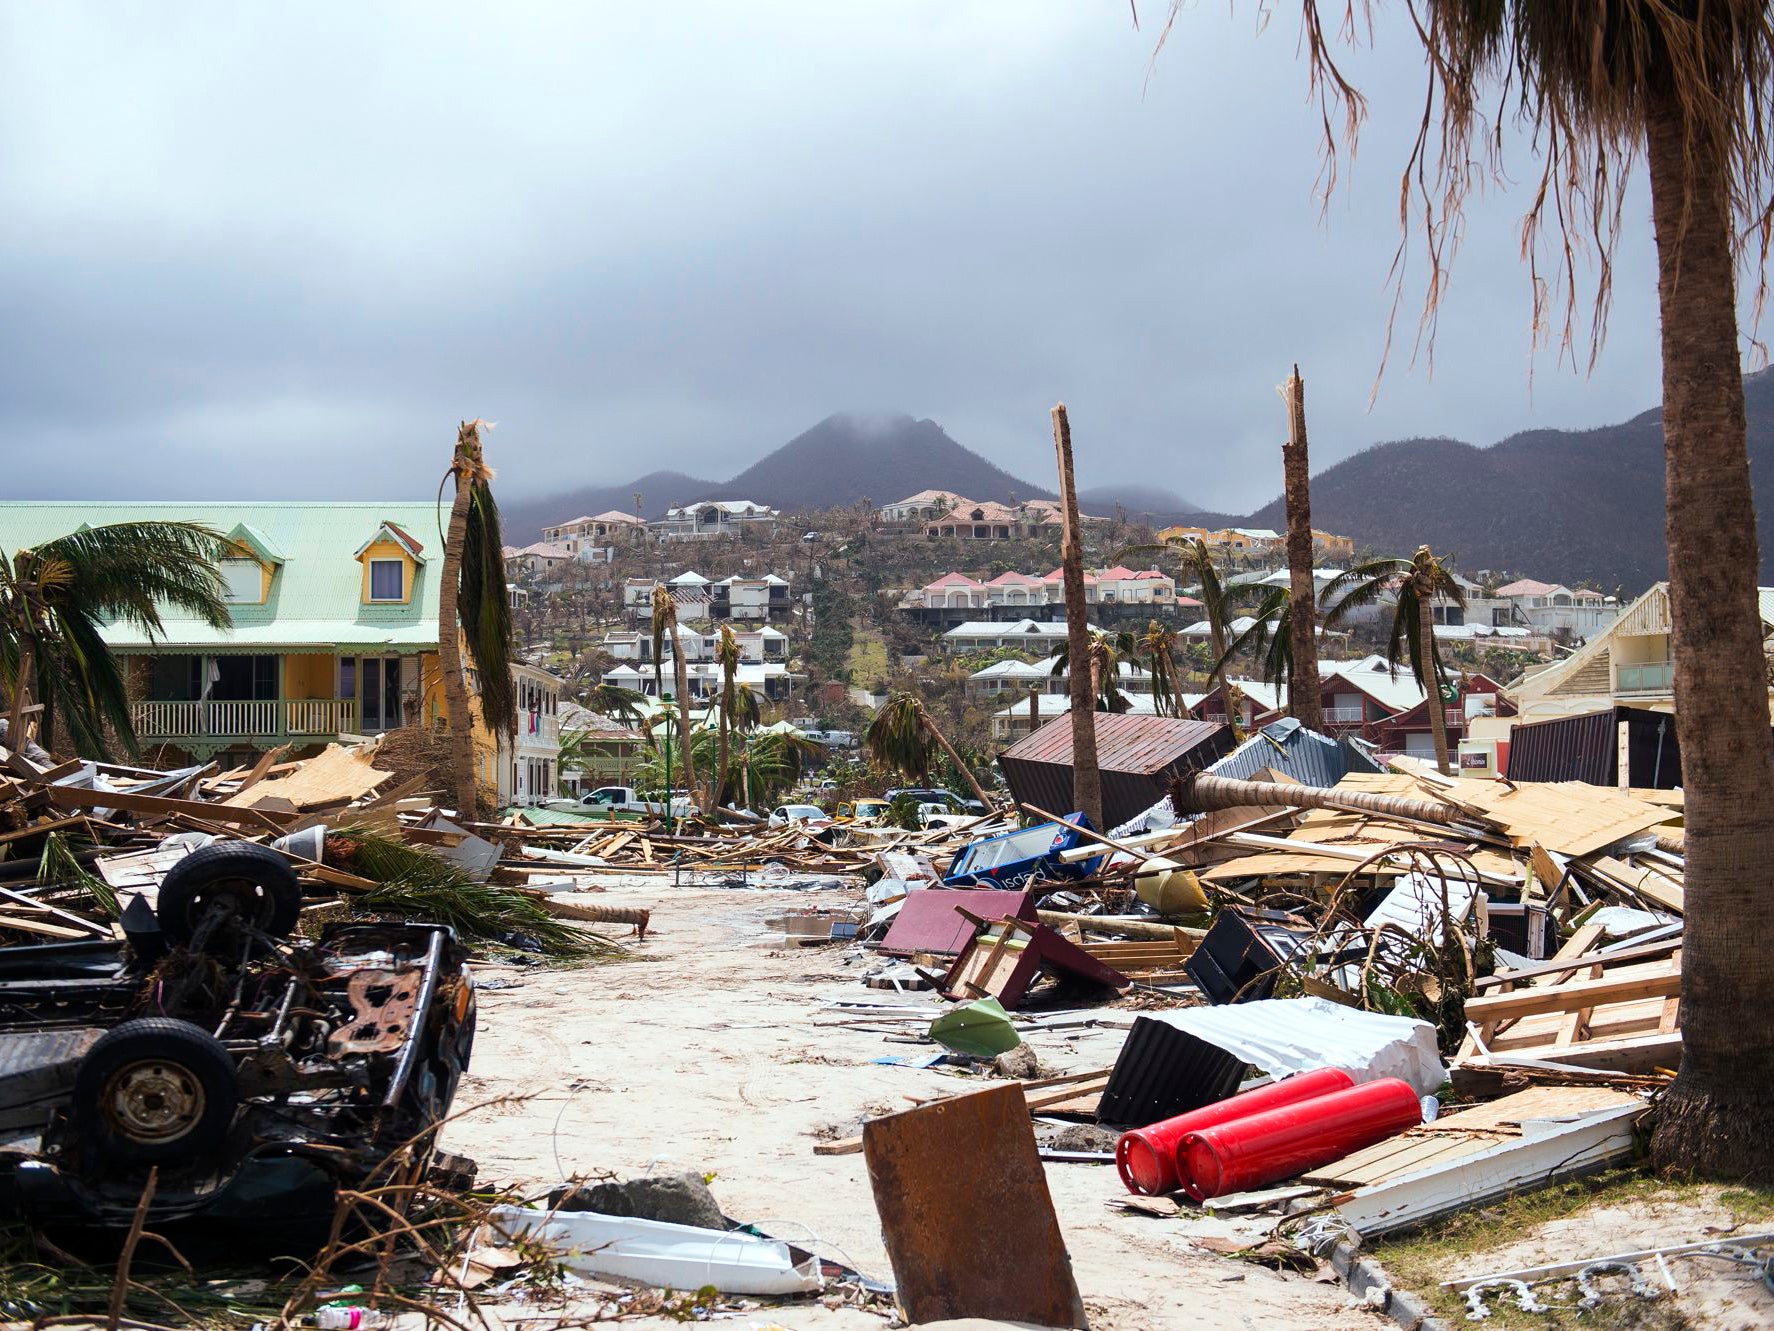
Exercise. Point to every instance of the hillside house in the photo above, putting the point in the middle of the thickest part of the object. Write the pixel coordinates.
(593, 539)
(741, 598)
(1024, 634)
(1628, 662)
(542, 560)
(925, 506)
(334, 610)
(1018, 678)
(1550, 608)
(715, 519)
(1240, 541)
(763, 668)
(955, 598)
(1036, 519)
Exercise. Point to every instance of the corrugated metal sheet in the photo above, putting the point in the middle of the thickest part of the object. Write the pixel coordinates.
(1137, 756)
(1287, 746)
(1586, 748)
(1163, 1072)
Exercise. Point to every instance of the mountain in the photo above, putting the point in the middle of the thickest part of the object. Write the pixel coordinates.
(841, 460)
(1148, 503)
(1561, 505)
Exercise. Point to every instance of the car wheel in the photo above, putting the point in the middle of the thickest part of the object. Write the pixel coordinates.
(253, 884)
(154, 1091)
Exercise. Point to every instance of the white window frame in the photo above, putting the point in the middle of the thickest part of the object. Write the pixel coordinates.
(388, 600)
(253, 588)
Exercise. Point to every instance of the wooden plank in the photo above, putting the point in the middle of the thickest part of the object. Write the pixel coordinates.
(70, 797)
(1560, 963)
(38, 829)
(42, 928)
(1570, 997)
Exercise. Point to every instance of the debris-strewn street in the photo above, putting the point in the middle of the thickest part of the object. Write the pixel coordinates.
(714, 1054)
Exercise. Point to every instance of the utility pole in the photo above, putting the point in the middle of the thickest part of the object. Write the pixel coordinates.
(1303, 702)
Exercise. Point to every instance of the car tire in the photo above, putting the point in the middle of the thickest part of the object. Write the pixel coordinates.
(154, 1091)
(256, 882)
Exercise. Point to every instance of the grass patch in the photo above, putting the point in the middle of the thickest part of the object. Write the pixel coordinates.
(867, 658)
(1421, 1259)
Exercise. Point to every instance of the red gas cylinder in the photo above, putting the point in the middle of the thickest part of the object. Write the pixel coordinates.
(1146, 1156)
(1260, 1149)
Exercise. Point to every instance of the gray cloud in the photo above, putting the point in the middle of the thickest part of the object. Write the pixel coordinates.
(257, 252)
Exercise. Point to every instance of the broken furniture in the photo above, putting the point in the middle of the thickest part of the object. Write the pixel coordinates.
(1006, 955)
(936, 919)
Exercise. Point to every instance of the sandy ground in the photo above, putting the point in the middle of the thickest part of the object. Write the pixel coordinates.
(708, 1055)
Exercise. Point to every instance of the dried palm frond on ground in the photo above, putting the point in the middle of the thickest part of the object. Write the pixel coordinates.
(415, 884)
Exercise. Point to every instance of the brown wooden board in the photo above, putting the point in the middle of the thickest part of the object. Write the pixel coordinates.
(965, 1212)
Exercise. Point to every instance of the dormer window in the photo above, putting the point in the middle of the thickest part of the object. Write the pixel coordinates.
(243, 581)
(388, 580)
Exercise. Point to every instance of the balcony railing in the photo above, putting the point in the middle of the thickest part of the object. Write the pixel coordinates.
(1655, 678)
(268, 719)
(1344, 716)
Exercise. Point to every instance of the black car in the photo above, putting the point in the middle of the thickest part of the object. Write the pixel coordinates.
(933, 796)
(258, 1073)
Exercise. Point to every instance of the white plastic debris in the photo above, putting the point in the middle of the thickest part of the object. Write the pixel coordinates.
(664, 1255)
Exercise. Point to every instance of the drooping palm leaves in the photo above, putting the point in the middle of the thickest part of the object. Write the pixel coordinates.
(1414, 584)
(1196, 564)
(904, 738)
(1104, 665)
(618, 703)
(1158, 646)
(474, 610)
(1268, 638)
(55, 597)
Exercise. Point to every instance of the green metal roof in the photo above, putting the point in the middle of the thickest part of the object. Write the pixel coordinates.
(315, 599)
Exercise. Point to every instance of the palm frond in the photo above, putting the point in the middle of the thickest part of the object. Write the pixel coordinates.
(484, 606)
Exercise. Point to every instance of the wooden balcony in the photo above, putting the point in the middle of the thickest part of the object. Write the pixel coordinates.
(277, 719)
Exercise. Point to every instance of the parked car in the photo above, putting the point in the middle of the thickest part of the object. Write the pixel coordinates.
(626, 799)
(810, 815)
(932, 814)
(864, 811)
(931, 795)
(258, 1073)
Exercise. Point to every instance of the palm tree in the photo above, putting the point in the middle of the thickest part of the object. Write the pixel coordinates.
(1269, 639)
(1158, 645)
(727, 657)
(1103, 656)
(1087, 780)
(903, 738)
(54, 598)
(617, 703)
(474, 608)
(1197, 566)
(1687, 85)
(1416, 583)
(665, 621)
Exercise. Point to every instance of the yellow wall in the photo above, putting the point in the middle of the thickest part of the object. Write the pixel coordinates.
(241, 550)
(310, 675)
(387, 549)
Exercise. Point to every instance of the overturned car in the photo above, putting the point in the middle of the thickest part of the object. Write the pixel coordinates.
(257, 1073)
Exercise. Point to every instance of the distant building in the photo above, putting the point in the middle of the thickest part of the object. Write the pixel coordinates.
(985, 635)
(593, 540)
(529, 759)
(1228, 540)
(1551, 608)
(714, 519)
(1328, 545)
(763, 668)
(537, 561)
(923, 506)
(740, 597)
(955, 598)
(1036, 519)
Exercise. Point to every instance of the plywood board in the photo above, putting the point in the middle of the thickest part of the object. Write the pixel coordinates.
(337, 773)
(1570, 817)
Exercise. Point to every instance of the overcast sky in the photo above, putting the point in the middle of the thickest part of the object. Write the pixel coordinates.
(254, 250)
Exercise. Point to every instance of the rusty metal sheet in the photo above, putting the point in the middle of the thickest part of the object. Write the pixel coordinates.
(927, 921)
(966, 1215)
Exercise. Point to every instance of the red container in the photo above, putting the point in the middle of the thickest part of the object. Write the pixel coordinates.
(1260, 1149)
(1146, 1156)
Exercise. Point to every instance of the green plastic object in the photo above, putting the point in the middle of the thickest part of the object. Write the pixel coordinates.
(981, 1028)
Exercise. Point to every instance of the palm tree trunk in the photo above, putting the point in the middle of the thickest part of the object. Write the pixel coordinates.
(1718, 1116)
(21, 695)
(954, 758)
(457, 715)
(681, 678)
(1303, 702)
(1087, 781)
(1431, 682)
(717, 784)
